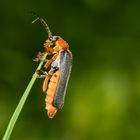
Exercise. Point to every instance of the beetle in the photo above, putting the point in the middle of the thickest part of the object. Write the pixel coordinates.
(56, 80)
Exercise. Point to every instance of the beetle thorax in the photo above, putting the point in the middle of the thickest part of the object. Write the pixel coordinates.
(61, 43)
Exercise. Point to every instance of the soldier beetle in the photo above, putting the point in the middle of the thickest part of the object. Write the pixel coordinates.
(56, 80)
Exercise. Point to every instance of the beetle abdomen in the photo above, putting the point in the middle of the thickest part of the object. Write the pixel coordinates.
(50, 94)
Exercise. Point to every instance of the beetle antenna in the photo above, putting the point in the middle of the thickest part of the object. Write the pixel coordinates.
(43, 23)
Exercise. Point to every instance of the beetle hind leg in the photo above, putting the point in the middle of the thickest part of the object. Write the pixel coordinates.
(46, 80)
(41, 74)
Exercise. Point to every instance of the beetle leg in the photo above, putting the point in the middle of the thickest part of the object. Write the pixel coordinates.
(48, 43)
(41, 74)
(39, 57)
(46, 80)
(49, 50)
(56, 48)
(53, 50)
(50, 61)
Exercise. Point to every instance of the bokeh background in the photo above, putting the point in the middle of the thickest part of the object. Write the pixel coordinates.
(103, 95)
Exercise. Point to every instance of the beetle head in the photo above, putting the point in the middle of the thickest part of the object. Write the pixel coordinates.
(56, 41)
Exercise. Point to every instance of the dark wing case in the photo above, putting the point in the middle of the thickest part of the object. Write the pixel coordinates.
(65, 69)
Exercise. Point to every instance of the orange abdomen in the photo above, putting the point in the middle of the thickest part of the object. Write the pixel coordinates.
(50, 94)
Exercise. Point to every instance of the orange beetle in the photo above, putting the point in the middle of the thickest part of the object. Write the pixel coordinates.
(55, 82)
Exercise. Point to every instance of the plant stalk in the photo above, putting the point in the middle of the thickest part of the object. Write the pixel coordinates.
(21, 103)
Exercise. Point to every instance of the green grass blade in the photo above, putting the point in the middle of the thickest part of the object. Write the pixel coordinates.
(20, 104)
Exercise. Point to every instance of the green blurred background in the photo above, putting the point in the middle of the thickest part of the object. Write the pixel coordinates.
(103, 95)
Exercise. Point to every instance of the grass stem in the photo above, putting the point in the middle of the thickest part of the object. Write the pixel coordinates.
(21, 103)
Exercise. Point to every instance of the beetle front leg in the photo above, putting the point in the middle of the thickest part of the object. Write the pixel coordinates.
(53, 50)
(40, 57)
